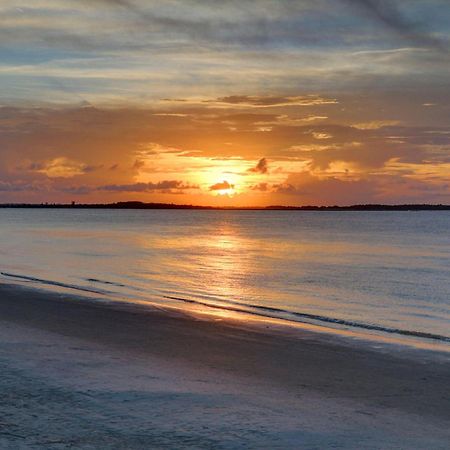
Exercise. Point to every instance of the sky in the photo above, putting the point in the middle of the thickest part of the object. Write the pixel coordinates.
(228, 103)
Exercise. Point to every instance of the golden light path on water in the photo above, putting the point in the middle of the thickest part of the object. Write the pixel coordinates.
(222, 261)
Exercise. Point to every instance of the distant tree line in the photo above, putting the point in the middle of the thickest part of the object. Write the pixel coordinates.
(142, 205)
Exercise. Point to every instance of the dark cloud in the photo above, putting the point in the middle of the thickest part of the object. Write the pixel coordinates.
(389, 14)
(92, 168)
(19, 186)
(261, 167)
(161, 186)
(246, 28)
(123, 3)
(286, 188)
(166, 187)
(288, 26)
(77, 190)
(261, 187)
(221, 186)
(138, 164)
(306, 189)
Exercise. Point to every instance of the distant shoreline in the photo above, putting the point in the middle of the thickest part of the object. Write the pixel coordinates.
(142, 205)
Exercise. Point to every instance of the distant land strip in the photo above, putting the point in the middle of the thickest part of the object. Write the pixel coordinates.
(142, 205)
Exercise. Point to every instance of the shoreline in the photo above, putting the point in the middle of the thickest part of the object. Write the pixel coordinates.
(408, 385)
(241, 313)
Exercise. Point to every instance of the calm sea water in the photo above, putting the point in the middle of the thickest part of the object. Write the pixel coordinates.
(379, 270)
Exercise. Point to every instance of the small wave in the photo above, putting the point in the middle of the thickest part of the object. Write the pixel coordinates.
(110, 283)
(55, 283)
(314, 317)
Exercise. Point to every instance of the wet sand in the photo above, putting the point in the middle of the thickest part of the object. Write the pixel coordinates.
(83, 374)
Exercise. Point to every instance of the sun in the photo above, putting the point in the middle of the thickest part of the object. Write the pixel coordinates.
(226, 193)
(221, 178)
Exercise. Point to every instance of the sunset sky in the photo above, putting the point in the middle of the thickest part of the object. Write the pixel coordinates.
(231, 102)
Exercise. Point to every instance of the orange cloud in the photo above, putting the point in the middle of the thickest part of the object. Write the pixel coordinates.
(62, 167)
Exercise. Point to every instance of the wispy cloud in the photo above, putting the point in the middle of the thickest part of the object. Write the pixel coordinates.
(376, 124)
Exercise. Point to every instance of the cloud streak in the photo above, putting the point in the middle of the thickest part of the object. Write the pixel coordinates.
(273, 101)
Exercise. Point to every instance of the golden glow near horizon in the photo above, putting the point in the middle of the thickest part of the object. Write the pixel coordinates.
(194, 104)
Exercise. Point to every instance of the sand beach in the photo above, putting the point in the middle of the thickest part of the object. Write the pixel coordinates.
(80, 373)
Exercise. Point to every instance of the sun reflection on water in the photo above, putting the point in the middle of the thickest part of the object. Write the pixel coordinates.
(214, 266)
(228, 259)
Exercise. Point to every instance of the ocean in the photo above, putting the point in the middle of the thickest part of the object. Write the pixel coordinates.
(377, 272)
